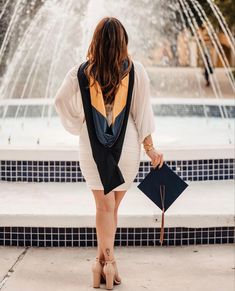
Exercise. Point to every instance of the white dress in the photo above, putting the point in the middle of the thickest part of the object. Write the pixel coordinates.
(68, 104)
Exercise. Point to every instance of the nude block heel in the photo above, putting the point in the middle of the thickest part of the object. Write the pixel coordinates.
(97, 268)
(109, 272)
(96, 280)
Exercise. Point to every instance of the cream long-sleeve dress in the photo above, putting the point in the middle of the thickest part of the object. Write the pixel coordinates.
(68, 104)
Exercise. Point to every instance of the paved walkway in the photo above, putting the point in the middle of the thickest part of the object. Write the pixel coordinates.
(191, 268)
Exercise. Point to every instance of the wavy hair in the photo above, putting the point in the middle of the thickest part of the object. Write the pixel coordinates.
(106, 56)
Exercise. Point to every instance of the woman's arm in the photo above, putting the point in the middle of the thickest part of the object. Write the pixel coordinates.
(155, 155)
(143, 114)
(141, 109)
(147, 141)
(68, 103)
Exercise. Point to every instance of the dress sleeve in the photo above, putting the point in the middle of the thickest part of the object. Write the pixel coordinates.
(141, 109)
(68, 103)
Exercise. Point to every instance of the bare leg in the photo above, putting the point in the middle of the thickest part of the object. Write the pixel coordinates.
(100, 254)
(118, 197)
(105, 223)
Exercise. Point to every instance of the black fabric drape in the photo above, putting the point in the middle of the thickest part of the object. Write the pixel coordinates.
(106, 158)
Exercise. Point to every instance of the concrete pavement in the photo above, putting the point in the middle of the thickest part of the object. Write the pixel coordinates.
(191, 268)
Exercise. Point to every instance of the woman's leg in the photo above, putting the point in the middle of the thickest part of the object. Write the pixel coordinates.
(105, 222)
(118, 198)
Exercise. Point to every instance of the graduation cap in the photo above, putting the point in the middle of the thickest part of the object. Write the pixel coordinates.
(163, 186)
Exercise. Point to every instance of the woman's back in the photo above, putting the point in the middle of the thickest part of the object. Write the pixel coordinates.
(140, 123)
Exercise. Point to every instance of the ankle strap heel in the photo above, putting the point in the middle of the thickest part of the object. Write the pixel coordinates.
(109, 272)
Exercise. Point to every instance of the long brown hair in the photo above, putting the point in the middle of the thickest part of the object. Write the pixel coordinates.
(106, 55)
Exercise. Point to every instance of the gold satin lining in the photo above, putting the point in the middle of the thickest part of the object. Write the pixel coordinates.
(119, 101)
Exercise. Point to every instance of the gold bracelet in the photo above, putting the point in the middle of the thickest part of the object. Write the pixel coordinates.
(149, 149)
(147, 145)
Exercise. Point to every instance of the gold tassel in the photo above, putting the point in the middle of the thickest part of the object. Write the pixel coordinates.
(162, 224)
(162, 229)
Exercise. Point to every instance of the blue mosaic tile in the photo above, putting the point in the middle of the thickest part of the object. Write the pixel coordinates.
(86, 236)
(69, 171)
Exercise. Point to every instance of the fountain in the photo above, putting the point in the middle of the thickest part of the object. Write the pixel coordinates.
(42, 40)
(56, 37)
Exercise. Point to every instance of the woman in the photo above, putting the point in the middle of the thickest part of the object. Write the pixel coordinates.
(113, 116)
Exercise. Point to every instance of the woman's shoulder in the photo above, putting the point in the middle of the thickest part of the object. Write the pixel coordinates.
(138, 65)
(72, 72)
(140, 70)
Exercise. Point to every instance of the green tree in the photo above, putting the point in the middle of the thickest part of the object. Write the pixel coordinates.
(227, 8)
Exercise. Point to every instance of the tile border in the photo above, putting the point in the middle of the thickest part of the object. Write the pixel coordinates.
(139, 236)
(69, 171)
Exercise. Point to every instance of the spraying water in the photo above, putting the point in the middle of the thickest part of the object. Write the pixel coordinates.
(59, 32)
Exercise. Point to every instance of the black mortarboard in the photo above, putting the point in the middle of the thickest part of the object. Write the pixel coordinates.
(163, 186)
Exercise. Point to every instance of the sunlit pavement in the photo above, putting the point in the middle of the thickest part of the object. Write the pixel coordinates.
(199, 267)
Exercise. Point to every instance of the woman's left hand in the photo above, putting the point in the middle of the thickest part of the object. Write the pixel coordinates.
(156, 158)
